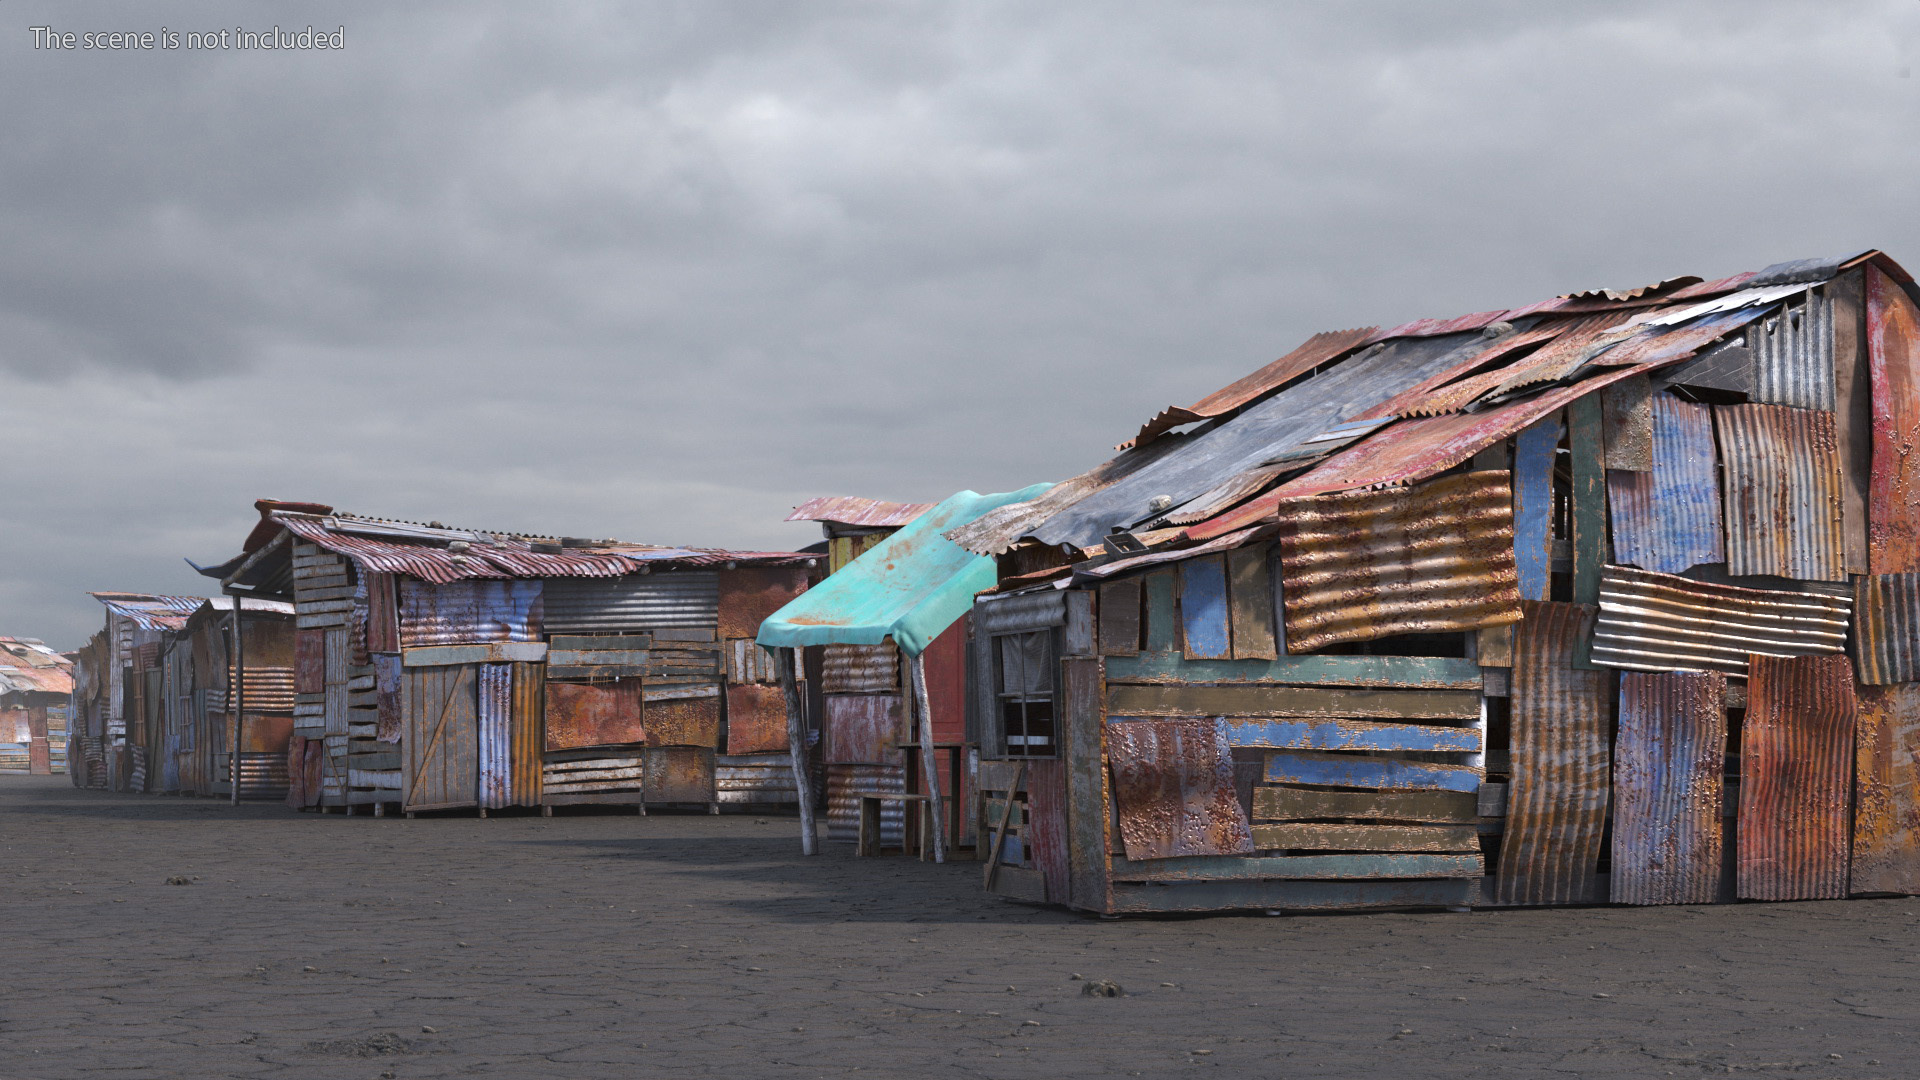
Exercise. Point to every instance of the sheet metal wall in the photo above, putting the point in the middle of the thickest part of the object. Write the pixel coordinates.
(1668, 519)
(1783, 492)
(469, 612)
(1659, 622)
(676, 598)
(1669, 756)
(1795, 784)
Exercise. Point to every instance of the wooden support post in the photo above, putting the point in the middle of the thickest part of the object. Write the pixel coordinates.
(783, 661)
(929, 760)
(1587, 446)
(237, 698)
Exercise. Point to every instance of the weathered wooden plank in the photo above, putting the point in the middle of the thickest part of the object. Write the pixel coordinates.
(1352, 770)
(1797, 757)
(1886, 823)
(1077, 637)
(1250, 590)
(1297, 804)
(1163, 628)
(1351, 735)
(632, 796)
(1408, 672)
(570, 787)
(617, 762)
(597, 657)
(1533, 453)
(575, 776)
(381, 779)
(389, 759)
(1852, 412)
(1157, 700)
(312, 596)
(1589, 494)
(596, 674)
(590, 643)
(1205, 625)
(1321, 837)
(664, 636)
(998, 775)
(1120, 617)
(498, 652)
(1559, 759)
(1669, 756)
(1298, 867)
(1083, 735)
(327, 607)
(1293, 895)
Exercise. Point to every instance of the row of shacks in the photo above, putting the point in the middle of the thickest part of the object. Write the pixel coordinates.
(1612, 597)
(36, 687)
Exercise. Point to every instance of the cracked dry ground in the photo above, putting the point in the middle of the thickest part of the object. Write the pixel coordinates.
(311, 945)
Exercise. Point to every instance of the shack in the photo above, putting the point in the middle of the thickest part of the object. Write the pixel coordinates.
(439, 668)
(105, 750)
(188, 719)
(36, 688)
(1612, 597)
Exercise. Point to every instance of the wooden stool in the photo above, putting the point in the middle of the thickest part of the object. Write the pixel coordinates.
(870, 802)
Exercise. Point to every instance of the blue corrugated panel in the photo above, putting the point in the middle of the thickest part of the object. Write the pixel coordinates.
(1344, 770)
(1668, 520)
(1533, 451)
(1350, 735)
(1203, 607)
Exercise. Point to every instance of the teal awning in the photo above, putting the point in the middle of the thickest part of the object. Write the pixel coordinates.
(911, 586)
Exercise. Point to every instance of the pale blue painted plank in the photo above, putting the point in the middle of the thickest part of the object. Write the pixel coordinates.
(1343, 770)
(1533, 451)
(1350, 735)
(1430, 672)
(1203, 608)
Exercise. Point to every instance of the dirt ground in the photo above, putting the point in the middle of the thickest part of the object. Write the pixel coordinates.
(309, 945)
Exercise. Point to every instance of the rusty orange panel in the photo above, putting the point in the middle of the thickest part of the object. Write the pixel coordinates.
(1557, 802)
(594, 714)
(1797, 748)
(1667, 788)
(683, 714)
(1173, 782)
(526, 722)
(747, 597)
(1365, 565)
(679, 774)
(1893, 491)
(1886, 791)
(756, 719)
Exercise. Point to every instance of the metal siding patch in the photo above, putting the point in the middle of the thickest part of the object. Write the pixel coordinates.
(756, 719)
(469, 612)
(682, 714)
(1783, 492)
(1668, 520)
(1797, 750)
(1366, 565)
(1120, 618)
(1893, 492)
(863, 729)
(659, 600)
(528, 725)
(860, 669)
(1533, 454)
(1793, 353)
(1203, 608)
(495, 726)
(1557, 801)
(845, 781)
(1669, 757)
(1173, 782)
(748, 595)
(1250, 589)
(680, 774)
(594, 714)
(1886, 791)
(1886, 627)
(1660, 622)
(1626, 417)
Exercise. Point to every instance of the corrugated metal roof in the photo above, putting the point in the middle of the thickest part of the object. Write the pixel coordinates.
(1783, 492)
(1668, 520)
(1365, 565)
(851, 510)
(1795, 779)
(151, 611)
(1886, 627)
(1792, 351)
(1660, 622)
(1316, 350)
(29, 665)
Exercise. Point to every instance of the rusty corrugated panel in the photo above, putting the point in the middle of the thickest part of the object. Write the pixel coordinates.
(1365, 565)
(1661, 622)
(387, 689)
(1046, 831)
(764, 779)
(1557, 800)
(850, 510)
(749, 595)
(863, 729)
(1173, 785)
(1316, 350)
(527, 728)
(1886, 627)
(1669, 757)
(680, 774)
(495, 730)
(1792, 352)
(859, 669)
(682, 714)
(263, 775)
(594, 714)
(469, 612)
(1668, 520)
(1577, 341)
(1783, 492)
(845, 781)
(1886, 791)
(383, 612)
(678, 599)
(269, 690)
(1893, 492)
(756, 719)
(1436, 327)
(1795, 779)
(1413, 401)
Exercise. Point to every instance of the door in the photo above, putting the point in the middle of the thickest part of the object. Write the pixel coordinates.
(440, 741)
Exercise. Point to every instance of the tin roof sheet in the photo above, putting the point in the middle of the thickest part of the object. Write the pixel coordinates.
(151, 611)
(851, 510)
(29, 665)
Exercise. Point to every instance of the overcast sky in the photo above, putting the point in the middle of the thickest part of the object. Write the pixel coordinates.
(662, 271)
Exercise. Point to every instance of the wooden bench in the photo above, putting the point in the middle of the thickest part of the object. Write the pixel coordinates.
(914, 826)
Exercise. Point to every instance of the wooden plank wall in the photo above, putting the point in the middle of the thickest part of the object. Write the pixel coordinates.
(441, 739)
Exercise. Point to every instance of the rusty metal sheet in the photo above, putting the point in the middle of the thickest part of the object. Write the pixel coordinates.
(597, 776)
(747, 662)
(594, 714)
(1415, 401)
(746, 779)
(1205, 628)
(1792, 353)
(1661, 622)
(1886, 627)
(1253, 606)
(526, 734)
(680, 774)
(863, 729)
(1668, 519)
(1557, 800)
(151, 611)
(383, 612)
(1173, 783)
(1315, 351)
(1796, 770)
(1046, 831)
(860, 669)
(852, 510)
(495, 735)
(1626, 418)
(1783, 492)
(310, 661)
(1669, 757)
(1886, 791)
(1366, 565)
(1435, 327)
(1893, 492)
(756, 719)
(1576, 342)
(748, 596)
(845, 781)
(682, 714)
(469, 612)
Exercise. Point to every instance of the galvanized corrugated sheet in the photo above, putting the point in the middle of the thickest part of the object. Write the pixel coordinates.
(851, 510)
(263, 775)
(860, 669)
(1792, 352)
(1783, 492)
(1668, 520)
(1173, 786)
(151, 611)
(269, 690)
(1669, 757)
(1886, 627)
(1893, 492)
(527, 728)
(1797, 754)
(681, 598)
(1315, 351)
(1557, 801)
(844, 783)
(1020, 612)
(1660, 622)
(1366, 565)
(495, 729)
(469, 612)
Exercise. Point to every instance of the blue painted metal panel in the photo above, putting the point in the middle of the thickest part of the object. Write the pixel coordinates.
(1343, 770)
(1533, 451)
(1350, 735)
(1669, 519)
(1203, 608)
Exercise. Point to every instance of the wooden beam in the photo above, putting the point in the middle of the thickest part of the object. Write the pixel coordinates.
(1294, 804)
(1128, 700)
(1412, 672)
